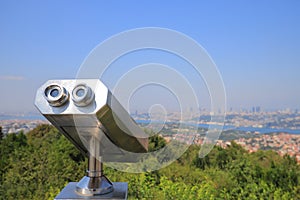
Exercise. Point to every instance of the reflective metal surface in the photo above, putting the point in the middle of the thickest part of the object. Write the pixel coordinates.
(69, 193)
(56, 95)
(93, 110)
(96, 123)
(82, 95)
(90, 186)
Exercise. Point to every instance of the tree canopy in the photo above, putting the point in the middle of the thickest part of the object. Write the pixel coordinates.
(38, 165)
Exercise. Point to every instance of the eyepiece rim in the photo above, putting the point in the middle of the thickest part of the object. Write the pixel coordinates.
(58, 100)
(87, 97)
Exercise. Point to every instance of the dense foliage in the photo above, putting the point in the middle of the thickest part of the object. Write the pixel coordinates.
(39, 164)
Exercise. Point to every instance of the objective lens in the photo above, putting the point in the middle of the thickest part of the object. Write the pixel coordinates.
(56, 95)
(80, 92)
(82, 95)
(54, 92)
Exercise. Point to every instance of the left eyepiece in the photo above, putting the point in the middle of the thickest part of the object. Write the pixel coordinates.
(56, 95)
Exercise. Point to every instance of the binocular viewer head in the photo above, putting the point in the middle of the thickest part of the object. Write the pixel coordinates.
(82, 109)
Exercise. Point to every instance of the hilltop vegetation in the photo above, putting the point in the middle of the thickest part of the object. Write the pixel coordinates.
(39, 164)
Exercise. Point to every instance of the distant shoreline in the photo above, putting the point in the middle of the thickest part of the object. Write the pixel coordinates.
(240, 128)
(225, 128)
(22, 117)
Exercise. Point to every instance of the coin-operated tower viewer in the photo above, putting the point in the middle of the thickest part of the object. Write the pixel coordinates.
(87, 113)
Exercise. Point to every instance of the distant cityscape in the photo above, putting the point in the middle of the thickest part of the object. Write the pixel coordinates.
(253, 119)
(253, 129)
(19, 125)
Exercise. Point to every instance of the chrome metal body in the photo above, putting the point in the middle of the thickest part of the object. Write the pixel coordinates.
(69, 193)
(87, 113)
(103, 117)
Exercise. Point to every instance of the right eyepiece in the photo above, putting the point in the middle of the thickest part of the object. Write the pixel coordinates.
(82, 95)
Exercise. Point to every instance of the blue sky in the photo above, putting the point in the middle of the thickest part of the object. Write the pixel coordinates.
(255, 44)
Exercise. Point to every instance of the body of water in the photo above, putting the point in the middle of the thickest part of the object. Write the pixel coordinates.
(225, 127)
(240, 128)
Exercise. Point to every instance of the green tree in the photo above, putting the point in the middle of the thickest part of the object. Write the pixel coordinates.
(42, 166)
(1, 133)
(39, 164)
(156, 142)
